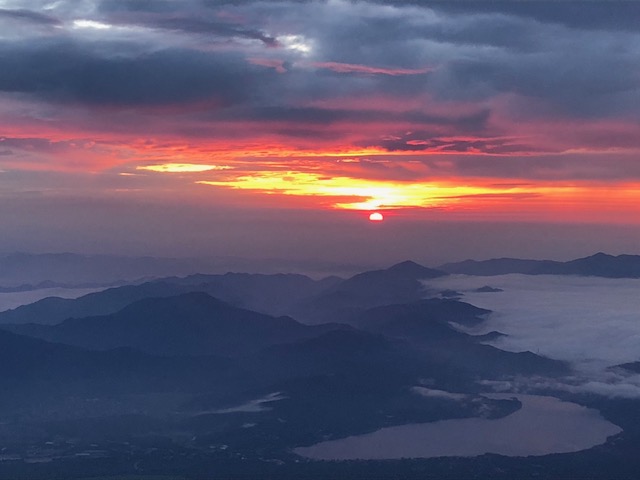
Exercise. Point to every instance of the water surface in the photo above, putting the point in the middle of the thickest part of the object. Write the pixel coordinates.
(543, 425)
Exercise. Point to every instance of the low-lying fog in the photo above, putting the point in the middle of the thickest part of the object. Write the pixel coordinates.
(592, 322)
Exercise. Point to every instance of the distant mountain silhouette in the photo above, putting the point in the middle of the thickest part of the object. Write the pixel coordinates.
(488, 289)
(603, 265)
(272, 294)
(397, 284)
(20, 269)
(429, 318)
(26, 287)
(53, 310)
(72, 268)
(188, 324)
(313, 301)
(598, 265)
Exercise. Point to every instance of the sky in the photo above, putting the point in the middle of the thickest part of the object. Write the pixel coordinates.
(274, 128)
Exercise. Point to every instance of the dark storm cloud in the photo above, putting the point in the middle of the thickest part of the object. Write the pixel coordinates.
(477, 52)
(158, 6)
(475, 122)
(606, 15)
(473, 50)
(511, 63)
(41, 145)
(169, 16)
(306, 115)
(419, 141)
(28, 16)
(68, 72)
(197, 25)
(577, 74)
(186, 17)
(550, 167)
(34, 144)
(575, 83)
(142, 6)
(512, 33)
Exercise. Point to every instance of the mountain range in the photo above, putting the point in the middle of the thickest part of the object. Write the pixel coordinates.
(311, 301)
(393, 333)
(598, 265)
(246, 366)
(25, 270)
(187, 324)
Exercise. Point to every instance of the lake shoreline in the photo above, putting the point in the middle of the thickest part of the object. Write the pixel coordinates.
(544, 425)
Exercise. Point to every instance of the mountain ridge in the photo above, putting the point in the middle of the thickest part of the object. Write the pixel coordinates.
(192, 323)
(597, 265)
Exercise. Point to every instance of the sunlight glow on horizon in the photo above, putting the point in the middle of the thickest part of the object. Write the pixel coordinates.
(183, 168)
(362, 194)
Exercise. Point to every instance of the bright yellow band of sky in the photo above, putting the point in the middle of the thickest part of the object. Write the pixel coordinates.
(359, 194)
(551, 200)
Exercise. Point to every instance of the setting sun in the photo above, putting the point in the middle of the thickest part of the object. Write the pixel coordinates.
(376, 217)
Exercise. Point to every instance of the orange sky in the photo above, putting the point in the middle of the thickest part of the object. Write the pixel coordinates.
(422, 111)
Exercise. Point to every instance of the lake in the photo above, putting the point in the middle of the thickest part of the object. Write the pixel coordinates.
(543, 425)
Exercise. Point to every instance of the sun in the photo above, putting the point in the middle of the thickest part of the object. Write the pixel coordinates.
(376, 217)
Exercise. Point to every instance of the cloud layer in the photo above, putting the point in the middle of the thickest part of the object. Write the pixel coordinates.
(501, 110)
(591, 322)
(531, 63)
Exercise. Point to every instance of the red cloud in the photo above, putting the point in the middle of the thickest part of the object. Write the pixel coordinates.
(278, 65)
(356, 68)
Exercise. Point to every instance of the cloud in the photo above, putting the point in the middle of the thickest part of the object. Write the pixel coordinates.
(211, 27)
(472, 53)
(589, 16)
(473, 93)
(69, 72)
(143, 6)
(355, 68)
(606, 383)
(28, 16)
(441, 394)
(473, 122)
(278, 65)
(567, 168)
(590, 322)
(49, 145)
(419, 141)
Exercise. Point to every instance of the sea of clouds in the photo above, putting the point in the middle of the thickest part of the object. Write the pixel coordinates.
(592, 322)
